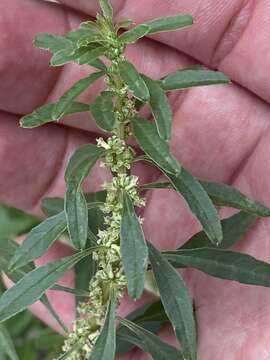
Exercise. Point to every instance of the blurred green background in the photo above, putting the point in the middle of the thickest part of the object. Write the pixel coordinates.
(24, 337)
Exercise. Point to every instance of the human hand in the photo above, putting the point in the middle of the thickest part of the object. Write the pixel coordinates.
(220, 133)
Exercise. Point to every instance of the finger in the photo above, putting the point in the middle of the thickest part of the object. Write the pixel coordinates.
(230, 35)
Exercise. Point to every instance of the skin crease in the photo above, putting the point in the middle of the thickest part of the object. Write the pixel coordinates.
(220, 133)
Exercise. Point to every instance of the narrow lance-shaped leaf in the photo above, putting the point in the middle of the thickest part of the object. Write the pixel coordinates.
(7, 250)
(133, 249)
(106, 8)
(149, 342)
(222, 195)
(104, 348)
(133, 80)
(103, 111)
(169, 23)
(64, 102)
(43, 114)
(151, 317)
(131, 36)
(225, 195)
(182, 79)
(157, 149)
(224, 264)
(33, 285)
(82, 55)
(160, 107)
(176, 300)
(6, 345)
(199, 202)
(233, 229)
(54, 43)
(39, 240)
(75, 204)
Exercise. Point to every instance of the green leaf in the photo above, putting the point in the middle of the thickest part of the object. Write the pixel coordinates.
(106, 8)
(102, 111)
(14, 222)
(91, 55)
(151, 317)
(199, 202)
(6, 345)
(182, 79)
(52, 205)
(176, 300)
(131, 36)
(133, 80)
(76, 209)
(157, 185)
(224, 264)
(133, 249)
(104, 348)
(77, 216)
(169, 23)
(7, 250)
(157, 149)
(123, 24)
(225, 195)
(160, 107)
(233, 228)
(33, 285)
(43, 114)
(149, 342)
(64, 102)
(39, 240)
(84, 36)
(54, 43)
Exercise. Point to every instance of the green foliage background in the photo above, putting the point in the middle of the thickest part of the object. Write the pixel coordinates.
(32, 339)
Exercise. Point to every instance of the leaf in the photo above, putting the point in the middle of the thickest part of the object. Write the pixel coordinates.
(161, 108)
(43, 114)
(7, 250)
(131, 36)
(233, 228)
(157, 149)
(133, 249)
(151, 317)
(176, 300)
(106, 8)
(32, 286)
(149, 342)
(14, 222)
(102, 111)
(63, 104)
(169, 23)
(157, 185)
(54, 43)
(77, 216)
(91, 55)
(39, 240)
(199, 202)
(123, 24)
(133, 80)
(52, 205)
(225, 195)
(6, 345)
(224, 264)
(182, 79)
(76, 209)
(104, 348)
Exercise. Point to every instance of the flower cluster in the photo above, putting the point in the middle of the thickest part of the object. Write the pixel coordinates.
(110, 274)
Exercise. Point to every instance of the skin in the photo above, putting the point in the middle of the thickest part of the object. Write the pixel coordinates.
(220, 133)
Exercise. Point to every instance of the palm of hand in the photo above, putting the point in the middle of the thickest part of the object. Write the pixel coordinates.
(220, 133)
